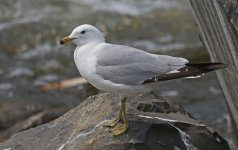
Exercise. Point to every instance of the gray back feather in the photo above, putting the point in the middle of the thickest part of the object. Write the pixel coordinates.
(126, 65)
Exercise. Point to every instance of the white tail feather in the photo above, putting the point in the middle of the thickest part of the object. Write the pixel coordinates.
(197, 76)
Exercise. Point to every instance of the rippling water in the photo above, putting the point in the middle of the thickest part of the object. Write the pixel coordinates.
(30, 55)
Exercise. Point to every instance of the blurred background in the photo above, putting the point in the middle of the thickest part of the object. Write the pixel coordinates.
(31, 57)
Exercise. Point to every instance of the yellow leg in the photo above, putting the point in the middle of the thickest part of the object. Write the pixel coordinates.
(121, 128)
(113, 122)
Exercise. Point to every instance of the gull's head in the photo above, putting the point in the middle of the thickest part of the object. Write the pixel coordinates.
(84, 34)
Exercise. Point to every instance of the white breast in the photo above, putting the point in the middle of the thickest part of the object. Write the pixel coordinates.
(85, 60)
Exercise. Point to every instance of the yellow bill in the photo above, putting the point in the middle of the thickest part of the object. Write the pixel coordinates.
(66, 40)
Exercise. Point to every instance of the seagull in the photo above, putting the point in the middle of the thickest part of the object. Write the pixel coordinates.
(126, 70)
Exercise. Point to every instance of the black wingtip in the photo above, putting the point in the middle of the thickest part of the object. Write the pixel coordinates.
(191, 69)
(209, 66)
(224, 65)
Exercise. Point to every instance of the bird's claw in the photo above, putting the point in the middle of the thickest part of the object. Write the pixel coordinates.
(119, 129)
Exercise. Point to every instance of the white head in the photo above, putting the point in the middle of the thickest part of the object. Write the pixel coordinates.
(84, 34)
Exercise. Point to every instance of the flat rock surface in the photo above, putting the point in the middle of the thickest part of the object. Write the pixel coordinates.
(154, 123)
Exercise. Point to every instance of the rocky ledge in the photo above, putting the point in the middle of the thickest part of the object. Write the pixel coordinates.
(154, 123)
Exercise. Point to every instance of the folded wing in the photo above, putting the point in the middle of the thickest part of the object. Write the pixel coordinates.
(130, 66)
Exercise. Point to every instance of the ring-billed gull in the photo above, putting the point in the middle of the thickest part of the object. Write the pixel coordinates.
(126, 70)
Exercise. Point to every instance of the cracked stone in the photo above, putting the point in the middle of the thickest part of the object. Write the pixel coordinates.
(154, 123)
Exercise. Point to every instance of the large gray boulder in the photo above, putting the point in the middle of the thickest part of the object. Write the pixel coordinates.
(154, 123)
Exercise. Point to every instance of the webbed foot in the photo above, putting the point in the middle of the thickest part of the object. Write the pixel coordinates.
(120, 129)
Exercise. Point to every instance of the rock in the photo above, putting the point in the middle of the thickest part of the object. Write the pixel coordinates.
(18, 115)
(32, 120)
(154, 123)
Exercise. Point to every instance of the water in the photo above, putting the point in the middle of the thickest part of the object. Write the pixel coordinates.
(30, 55)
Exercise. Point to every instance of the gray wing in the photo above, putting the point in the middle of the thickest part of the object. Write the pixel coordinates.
(126, 65)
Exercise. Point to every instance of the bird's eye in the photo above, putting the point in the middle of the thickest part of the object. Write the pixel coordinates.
(83, 32)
